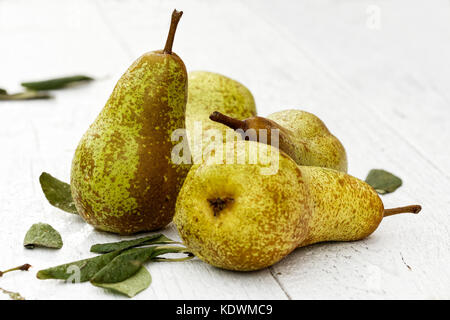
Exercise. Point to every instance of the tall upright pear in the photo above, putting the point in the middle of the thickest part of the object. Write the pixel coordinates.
(123, 179)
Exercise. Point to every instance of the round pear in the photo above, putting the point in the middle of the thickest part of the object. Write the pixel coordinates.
(235, 217)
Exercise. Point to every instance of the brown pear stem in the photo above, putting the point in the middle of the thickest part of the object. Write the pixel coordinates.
(23, 267)
(176, 16)
(408, 209)
(228, 121)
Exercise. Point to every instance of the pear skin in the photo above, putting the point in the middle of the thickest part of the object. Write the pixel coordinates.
(122, 177)
(316, 145)
(233, 217)
(210, 91)
(302, 135)
(345, 208)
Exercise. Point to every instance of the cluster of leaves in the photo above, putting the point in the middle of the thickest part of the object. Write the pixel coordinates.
(36, 90)
(120, 267)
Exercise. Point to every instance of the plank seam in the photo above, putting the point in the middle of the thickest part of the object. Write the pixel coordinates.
(272, 273)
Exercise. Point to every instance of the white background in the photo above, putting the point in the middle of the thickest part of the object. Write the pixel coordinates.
(377, 72)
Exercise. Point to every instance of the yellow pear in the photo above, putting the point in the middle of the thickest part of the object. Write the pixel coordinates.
(234, 217)
(302, 135)
(207, 92)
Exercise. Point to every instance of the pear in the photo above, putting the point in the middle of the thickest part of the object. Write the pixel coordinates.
(207, 92)
(302, 135)
(236, 218)
(233, 217)
(122, 177)
(345, 208)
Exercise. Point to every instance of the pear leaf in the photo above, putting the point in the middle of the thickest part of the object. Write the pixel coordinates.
(128, 263)
(126, 244)
(57, 193)
(78, 271)
(382, 181)
(124, 265)
(138, 282)
(57, 83)
(27, 95)
(42, 235)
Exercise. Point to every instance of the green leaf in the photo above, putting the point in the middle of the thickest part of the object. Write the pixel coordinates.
(3, 91)
(128, 263)
(80, 271)
(123, 266)
(57, 83)
(122, 245)
(42, 235)
(170, 249)
(138, 282)
(27, 95)
(57, 193)
(382, 181)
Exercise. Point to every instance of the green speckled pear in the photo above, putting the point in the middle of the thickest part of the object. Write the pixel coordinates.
(208, 92)
(233, 217)
(122, 177)
(302, 135)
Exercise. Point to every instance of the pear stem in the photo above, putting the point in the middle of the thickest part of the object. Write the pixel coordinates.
(408, 209)
(228, 121)
(176, 16)
(23, 267)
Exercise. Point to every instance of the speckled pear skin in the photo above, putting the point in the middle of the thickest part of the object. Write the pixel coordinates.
(345, 208)
(267, 218)
(311, 143)
(122, 177)
(209, 92)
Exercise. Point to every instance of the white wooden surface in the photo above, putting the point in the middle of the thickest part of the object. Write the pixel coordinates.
(382, 86)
